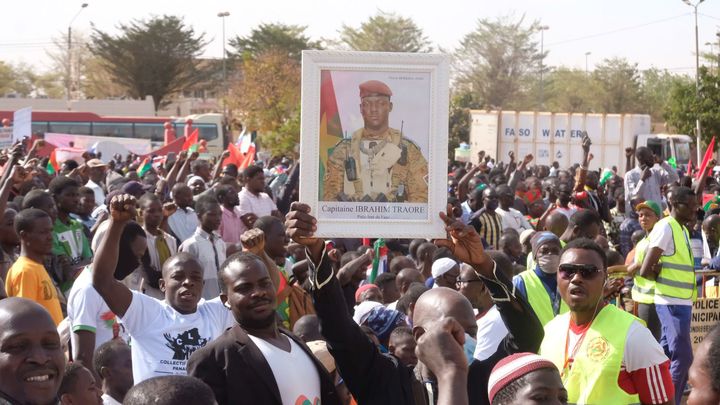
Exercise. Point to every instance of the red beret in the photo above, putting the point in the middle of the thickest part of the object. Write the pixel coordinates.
(374, 88)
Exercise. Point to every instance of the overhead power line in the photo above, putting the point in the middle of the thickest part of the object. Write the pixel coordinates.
(633, 27)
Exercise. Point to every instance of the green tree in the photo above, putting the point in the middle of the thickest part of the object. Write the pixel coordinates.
(571, 90)
(156, 57)
(385, 32)
(684, 106)
(459, 121)
(275, 36)
(266, 98)
(498, 60)
(620, 83)
(656, 89)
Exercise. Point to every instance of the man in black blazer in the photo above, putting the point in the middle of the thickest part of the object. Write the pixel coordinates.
(255, 362)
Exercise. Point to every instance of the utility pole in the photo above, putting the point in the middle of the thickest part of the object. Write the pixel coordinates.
(698, 128)
(542, 29)
(222, 15)
(68, 67)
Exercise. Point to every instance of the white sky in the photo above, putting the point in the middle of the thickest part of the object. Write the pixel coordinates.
(662, 33)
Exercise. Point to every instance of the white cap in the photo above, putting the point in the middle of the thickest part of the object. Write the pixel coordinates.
(362, 311)
(442, 266)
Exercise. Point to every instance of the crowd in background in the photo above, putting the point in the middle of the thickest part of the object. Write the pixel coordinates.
(193, 282)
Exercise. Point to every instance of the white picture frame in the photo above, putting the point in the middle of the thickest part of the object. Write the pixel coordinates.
(396, 206)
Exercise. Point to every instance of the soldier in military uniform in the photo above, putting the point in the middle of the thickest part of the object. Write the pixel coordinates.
(377, 164)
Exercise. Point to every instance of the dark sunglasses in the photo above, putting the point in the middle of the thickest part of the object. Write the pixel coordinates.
(587, 271)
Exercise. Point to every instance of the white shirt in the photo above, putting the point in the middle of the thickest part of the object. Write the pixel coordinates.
(88, 311)
(99, 193)
(466, 213)
(152, 249)
(299, 383)
(163, 339)
(662, 237)
(211, 256)
(99, 234)
(183, 223)
(108, 400)
(260, 205)
(514, 219)
(491, 331)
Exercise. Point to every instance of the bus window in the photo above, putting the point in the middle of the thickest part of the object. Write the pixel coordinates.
(39, 127)
(656, 146)
(153, 132)
(79, 128)
(119, 129)
(208, 132)
(682, 153)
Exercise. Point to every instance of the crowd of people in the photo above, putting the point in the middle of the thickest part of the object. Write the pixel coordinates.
(193, 282)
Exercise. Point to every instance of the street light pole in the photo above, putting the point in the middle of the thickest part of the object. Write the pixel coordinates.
(222, 15)
(542, 29)
(588, 53)
(698, 127)
(68, 69)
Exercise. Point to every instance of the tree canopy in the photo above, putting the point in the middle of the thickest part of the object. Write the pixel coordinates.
(290, 39)
(156, 57)
(385, 32)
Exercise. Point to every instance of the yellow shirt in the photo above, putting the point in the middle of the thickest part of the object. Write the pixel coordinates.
(29, 279)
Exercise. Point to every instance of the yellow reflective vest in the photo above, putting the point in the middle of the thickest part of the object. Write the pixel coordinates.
(539, 299)
(592, 378)
(677, 275)
(643, 290)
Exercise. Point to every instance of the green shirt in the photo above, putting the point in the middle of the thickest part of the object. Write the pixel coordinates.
(70, 240)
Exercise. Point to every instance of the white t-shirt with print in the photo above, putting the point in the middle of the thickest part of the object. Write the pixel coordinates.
(662, 237)
(295, 374)
(88, 311)
(163, 339)
(491, 331)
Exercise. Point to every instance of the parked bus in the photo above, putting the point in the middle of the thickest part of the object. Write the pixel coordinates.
(210, 126)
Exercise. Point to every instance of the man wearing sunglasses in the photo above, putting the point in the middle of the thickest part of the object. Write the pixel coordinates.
(675, 288)
(604, 354)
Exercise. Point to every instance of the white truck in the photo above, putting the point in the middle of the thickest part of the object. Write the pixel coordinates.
(557, 137)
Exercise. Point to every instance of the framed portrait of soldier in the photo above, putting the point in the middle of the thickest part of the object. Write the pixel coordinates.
(373, 143)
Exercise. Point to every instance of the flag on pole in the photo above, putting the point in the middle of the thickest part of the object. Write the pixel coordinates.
(706, 159)
(191, 143)
(235, 156)
(52, 166)
(380, 264)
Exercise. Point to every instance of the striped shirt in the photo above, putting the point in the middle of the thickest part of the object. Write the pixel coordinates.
(489, 226)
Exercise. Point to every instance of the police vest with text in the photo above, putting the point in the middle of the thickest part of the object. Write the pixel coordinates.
(677, 275)
(592, 377)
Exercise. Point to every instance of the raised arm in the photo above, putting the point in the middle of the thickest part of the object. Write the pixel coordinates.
(185, 169)
(519, 173)
(525, 332)
(117, 296)
(218, 164)
(253, 241)
(347, 271)
(362, 364)
(462, 188)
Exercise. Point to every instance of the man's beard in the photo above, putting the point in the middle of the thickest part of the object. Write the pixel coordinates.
(258, 323)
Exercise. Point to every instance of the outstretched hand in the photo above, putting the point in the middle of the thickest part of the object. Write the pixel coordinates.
(122, 208)
(466, 245)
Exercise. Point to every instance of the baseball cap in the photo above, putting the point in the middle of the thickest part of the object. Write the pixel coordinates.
(652, 205)
(135, 187)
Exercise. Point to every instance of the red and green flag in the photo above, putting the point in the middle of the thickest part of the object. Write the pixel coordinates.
(191, 143)
(330, 125)
(379, 264)
(52, 166)
(144, 167)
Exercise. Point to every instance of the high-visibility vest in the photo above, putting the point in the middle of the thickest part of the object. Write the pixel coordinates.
(643, 290)
(539, 299)
(677, 275)
(592, 378)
